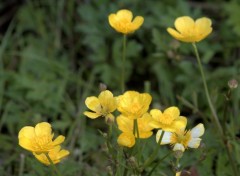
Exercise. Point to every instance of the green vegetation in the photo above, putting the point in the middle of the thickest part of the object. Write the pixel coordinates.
(54, 54)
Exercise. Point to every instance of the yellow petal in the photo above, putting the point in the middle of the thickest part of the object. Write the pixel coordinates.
(125, 15)
(126, 139)
(91, 115)
(60, 139)
(93, 104)
(43, 128)
(175, 34)
(155, 124)
(155, 113)
(202, 28)
(184, 25)
(178, 174)
(26, 143)
(27, 132)
(125, 124)
(137, 22)
(112, 20)
(144, 123)
(108, 102)
(172, 111)
(179, 123)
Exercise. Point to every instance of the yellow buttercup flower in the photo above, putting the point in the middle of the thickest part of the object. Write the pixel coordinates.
(103, 105)
(188, 30)
(133, 104)
(182, 139)
(126, 125)
(38, 139)
(56, 155)
(169, 120)
(122, 21)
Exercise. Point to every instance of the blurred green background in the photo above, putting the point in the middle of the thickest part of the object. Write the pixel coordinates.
(53, 54)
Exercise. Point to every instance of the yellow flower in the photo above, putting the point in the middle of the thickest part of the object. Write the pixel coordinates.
(169, 120)
(133, 104)
(182, 139)
(188, 30)
(122, 21)
(38, 139)
(56, 154)
(126, 125)
(101, 106)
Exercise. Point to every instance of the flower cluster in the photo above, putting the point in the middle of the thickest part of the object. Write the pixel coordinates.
(136, 121)
(39, 141)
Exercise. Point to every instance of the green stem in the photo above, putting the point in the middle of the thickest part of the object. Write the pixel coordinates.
(155, 152)
(22, 162)
(136, 131)
(123, 63)
(214, 116)
(53, 167)
(150, 173)
(228, 96)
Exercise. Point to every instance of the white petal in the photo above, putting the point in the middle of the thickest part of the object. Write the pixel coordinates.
(194, 143)
(166, 137)
(178, 146)
(197, 131)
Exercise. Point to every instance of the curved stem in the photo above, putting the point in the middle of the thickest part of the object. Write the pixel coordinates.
(123, 63)
(214, 116)
(155, 152)
(52, 165)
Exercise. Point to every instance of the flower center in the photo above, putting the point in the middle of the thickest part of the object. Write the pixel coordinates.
(181, 137)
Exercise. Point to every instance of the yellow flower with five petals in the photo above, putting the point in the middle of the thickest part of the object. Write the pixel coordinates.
(133, 104)
(103, 105)
(169, 120)
(188, 30)
(38, 139)
(182, 139)
(123, 21)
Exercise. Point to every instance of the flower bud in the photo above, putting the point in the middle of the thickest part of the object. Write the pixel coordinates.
(102, 87)
(233, 84)
(178, 154)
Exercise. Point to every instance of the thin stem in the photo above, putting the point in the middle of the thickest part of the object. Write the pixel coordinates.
(22, 162)
(123, 63)
(136, 131)
(54, 168)
(215, 117)
(155, 152)
(150, 173)
(214, 114)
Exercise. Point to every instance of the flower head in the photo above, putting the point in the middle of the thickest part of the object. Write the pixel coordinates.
(56, 154)
(133, 104)
(38, 139)
(122, 21)
(103, 105)
(188, 30)
(126, 125)
(181, 139)
(169, 120)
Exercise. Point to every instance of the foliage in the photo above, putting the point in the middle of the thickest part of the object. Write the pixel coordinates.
(53, 54)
